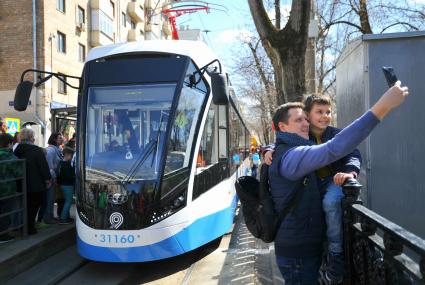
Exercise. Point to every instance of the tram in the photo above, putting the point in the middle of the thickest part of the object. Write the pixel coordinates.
(158, 133)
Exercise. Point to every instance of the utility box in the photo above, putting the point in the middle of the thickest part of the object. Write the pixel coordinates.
(393, 169)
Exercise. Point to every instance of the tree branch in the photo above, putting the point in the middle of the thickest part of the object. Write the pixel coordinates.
(277, 13)
(262, 22)
(343, 22)
(400, 23)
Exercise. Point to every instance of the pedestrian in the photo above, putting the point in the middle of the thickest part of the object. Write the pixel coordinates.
(16, 140)
(8, 170)
(255, 163)
(53, 156)
(66, 181)
(292, 173)
(3, 127)
(71, 143)
(38, 177)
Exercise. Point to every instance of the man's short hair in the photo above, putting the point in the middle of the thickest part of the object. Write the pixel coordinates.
(68, 150)
(5, 140)
(27, 135)
(310, 100)
(282, 112)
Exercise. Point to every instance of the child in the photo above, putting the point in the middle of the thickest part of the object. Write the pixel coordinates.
(66, 179)
(331, 177)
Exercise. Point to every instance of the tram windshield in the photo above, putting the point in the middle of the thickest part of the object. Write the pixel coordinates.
(125, 128)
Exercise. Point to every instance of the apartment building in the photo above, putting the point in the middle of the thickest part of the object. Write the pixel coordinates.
(56, 35)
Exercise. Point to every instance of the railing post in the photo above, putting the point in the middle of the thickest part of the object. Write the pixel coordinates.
(351, 190)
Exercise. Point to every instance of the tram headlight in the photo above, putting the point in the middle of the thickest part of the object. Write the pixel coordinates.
(178, 202)
(168, 209)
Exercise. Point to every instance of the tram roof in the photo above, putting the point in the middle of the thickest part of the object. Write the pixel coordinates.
(200, 53)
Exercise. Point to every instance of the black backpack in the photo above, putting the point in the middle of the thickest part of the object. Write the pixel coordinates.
(258, 209)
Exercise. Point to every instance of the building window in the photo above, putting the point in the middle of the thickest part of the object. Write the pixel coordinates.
(113, 9)
(81, 53)
(81, 15)
(60, 5)
(106, 25)
(123, 20)
(133, 25)
(62, 85)
(61, 42)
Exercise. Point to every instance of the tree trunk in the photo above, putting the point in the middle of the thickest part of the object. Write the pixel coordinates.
(364, 18)
(285, 48)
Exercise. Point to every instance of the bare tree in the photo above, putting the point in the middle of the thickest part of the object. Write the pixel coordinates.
(256, 85)
(341, 21)
(285, 47)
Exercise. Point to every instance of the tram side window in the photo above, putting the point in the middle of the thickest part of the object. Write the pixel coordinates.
(241, 143)
(222, 128)
(234, 139)
(208, 151)
(247, 143)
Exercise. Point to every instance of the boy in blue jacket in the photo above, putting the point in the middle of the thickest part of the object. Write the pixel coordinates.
(331, 178)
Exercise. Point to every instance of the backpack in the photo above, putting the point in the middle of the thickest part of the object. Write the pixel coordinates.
(261, 217)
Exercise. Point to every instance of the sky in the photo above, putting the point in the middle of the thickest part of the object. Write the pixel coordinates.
(221, 28)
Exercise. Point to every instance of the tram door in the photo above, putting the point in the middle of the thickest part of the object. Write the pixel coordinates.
(64, 120)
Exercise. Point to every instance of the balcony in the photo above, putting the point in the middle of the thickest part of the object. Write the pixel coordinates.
(132, 35)
(148, 27)
(102, 29)
(148, 4)
(135, 11)
(166, 28)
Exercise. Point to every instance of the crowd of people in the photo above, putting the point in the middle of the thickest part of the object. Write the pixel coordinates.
(50, 179)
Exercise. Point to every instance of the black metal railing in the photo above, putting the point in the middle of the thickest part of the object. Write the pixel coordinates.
(13, 196)
(377, 251)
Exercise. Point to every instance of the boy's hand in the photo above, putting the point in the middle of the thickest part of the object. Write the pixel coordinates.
(340, 177)
(268, 157)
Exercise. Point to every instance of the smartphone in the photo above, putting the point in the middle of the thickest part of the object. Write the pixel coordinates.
(389, 75)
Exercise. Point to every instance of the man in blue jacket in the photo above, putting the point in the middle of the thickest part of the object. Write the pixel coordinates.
(299, 241)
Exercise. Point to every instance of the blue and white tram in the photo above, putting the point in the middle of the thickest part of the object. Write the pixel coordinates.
(160, 143)
(154, 167)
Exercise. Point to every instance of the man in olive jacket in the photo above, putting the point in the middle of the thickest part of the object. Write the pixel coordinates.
(38, 175)
(9, 169)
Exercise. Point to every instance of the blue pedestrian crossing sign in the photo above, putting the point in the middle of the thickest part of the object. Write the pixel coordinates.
(13, 125)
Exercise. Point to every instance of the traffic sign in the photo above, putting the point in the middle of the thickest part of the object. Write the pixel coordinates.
(13, 125)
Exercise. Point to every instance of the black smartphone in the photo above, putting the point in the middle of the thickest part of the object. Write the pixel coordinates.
(389, 75)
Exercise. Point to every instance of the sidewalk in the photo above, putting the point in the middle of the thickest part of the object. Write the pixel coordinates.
(249, 260)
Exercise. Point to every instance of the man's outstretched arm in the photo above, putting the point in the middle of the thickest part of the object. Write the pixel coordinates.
(299, 161)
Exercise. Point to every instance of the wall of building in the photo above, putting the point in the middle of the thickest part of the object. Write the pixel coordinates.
(16, 45)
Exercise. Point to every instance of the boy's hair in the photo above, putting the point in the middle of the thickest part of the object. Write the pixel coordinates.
(68, 150)
(5, 140)
(310, 100)
(282, 112)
